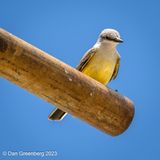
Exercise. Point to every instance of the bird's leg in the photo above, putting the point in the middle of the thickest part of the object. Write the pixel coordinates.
(116, 90)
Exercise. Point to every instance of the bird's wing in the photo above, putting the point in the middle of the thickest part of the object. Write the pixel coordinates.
(116, 69)
(86, 58)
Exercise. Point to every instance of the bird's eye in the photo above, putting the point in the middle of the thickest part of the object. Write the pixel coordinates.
(104, 37)
(107, 37)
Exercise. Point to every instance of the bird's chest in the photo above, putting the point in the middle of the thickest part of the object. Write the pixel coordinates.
(101, 66)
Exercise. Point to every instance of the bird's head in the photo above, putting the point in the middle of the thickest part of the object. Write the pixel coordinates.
(110, 36)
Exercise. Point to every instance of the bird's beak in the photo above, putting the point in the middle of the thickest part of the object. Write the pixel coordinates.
(119, 40)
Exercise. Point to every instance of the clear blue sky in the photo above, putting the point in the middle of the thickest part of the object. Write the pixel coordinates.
(66, 29)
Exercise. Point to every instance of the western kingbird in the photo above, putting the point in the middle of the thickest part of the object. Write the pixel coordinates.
(101, 62)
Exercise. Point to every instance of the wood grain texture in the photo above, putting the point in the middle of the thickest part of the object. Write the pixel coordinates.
(63, 86)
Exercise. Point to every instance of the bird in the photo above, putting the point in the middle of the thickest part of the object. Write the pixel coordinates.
(101, 62)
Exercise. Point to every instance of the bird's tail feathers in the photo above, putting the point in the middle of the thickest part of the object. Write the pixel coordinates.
(57, 114)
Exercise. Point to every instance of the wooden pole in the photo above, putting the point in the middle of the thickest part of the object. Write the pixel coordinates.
(63, 86)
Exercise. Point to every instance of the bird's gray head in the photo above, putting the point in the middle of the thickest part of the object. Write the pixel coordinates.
(110, 36)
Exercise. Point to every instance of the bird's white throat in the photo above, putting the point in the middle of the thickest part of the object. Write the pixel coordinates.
(106, 47)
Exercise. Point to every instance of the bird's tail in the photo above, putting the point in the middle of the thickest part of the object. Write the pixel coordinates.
(57, 114)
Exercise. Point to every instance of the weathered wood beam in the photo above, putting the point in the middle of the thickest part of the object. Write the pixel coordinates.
(63, 86)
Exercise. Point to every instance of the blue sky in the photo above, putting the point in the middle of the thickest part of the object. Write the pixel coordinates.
(66, 30)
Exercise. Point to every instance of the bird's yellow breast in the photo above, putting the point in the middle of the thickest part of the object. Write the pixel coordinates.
(101, 67)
